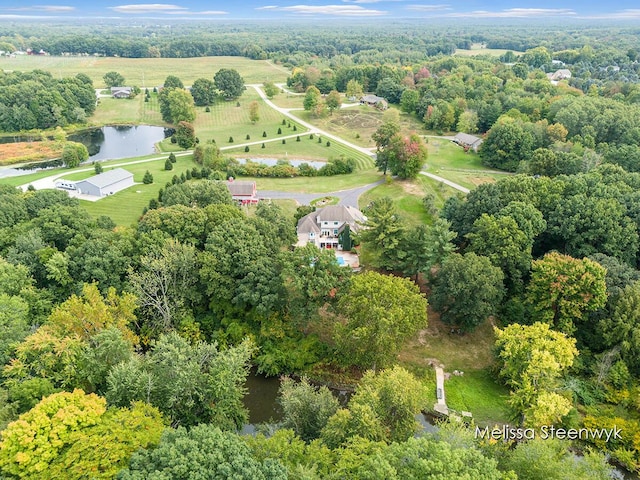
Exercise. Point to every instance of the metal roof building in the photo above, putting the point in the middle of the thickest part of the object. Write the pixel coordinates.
(106, 183)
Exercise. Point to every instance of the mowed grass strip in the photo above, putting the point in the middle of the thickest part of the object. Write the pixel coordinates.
(407, 198)
(306, 149)
(147, 72)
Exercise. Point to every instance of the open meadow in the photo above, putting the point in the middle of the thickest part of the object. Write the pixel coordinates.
(146, 72)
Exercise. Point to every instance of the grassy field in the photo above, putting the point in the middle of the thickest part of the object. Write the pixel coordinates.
(147, 72)
(19, 152)
(287, 100)
(407, 198)
(477, 390)
(306, 149)
(479, 49)
(357, 124)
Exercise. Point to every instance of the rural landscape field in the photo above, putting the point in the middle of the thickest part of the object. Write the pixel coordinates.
(285, 248)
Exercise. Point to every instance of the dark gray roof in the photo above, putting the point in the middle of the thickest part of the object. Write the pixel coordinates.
(467, 139)
(108, 178)
(242, 188)
(372, 99)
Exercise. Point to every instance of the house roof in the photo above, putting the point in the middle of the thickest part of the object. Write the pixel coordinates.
(108, 178)
(372, 99)
(466, 139)
(241, 188)
(121, 89)
(331, 213)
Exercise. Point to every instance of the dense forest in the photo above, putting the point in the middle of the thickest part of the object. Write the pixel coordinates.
(125, 350)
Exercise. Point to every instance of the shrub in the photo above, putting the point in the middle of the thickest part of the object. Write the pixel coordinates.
(246, 148)
(319, 139)
(328, 143)
(263, 145)
(284, 141)
(172, 158)
(248, 137)
(279, 131)
(97, 167)
(311, 137)
(148, 178)
(295, 128)
(264, 134)
(168, 165)
(284, 122)
(230, 139)
(208, 109)
(298, 138)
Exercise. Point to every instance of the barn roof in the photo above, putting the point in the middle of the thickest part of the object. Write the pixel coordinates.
(108, 178)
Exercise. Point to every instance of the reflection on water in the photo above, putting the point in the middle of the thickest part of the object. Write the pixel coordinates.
(120, 141)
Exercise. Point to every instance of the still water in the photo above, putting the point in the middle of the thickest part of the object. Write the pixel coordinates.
(120, 141)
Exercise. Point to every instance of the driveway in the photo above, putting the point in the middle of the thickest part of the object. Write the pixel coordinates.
(346, 197)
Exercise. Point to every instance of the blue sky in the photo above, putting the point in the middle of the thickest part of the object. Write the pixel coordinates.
(228, 9)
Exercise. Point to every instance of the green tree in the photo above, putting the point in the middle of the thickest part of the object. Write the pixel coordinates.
(185, 135)
(168, 165)
(466, 290)
(270, 89)
(508, 247)
(506, 145)
(354, 90)
(165, 283)
(181, 106)
(563, 289)
(537, 57)
(382, 232)
(380, 312)
(333, 101)
(385, 403)
(468, 122)
(229, 83)
(311, 99)
(113, 79)
(409, 100)
(203, 92)
(305, 408)
(383, 137)
(189, 383)
(97, 168)
(406, 155)
(532, 358)
(254, 111)
(148, 178)
(204, 451)
(73, 154)
(14, 324)
(423, 246)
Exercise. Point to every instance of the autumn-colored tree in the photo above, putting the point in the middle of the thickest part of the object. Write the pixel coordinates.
(563, 289)
(254, 111)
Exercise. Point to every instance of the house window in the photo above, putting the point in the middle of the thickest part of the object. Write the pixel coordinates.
(312, 235)
(325, 223)
(335, 223)
(335, 232)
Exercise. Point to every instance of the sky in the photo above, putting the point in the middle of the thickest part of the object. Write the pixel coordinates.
(323, 9)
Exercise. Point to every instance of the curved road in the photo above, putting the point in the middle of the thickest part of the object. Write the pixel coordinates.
(346, 197)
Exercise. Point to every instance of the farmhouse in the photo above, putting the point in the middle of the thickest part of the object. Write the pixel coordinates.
(468, 141)
(325, 228)
(562, 74)
(374, 101)
(245, 193)
(106, 183)
(121, 92)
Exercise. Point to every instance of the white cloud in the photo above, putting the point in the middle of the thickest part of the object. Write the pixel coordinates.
(371, 1)
(186, 12)
(149, 8)
(518, 13)
(428, 8)
(45, 8)
(342, 10)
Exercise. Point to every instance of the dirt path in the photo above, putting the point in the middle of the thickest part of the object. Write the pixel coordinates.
(446, 182)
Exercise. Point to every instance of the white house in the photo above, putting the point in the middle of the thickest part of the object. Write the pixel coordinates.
(324, 227)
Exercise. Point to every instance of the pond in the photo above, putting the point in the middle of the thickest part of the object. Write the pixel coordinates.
(120, 141)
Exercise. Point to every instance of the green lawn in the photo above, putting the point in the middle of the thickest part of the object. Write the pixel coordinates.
(226, 120)
(306, 149)
(287, 100)
(357, 124)
(121, 111)
(317, 184)
(148, 72)
(478, 392)
(126, 206)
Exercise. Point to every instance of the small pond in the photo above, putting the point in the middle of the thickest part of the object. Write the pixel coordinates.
(120, 141)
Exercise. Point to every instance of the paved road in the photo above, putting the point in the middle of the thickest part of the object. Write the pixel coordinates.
(446, 182)
(347, 197)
